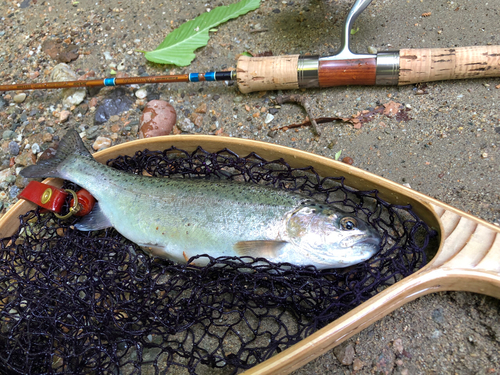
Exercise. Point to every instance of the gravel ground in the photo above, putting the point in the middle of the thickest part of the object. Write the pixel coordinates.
(448, 148)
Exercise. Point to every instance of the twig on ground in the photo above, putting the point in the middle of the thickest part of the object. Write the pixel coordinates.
(304, 102)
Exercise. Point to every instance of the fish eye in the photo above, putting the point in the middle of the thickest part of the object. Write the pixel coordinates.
(348, 223)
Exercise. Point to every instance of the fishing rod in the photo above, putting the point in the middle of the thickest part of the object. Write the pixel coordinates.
(403, 67)
(191, 77)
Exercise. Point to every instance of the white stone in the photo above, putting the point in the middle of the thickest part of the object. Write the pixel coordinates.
(19, 98)
(73, 96)
(269, 118)
(35, 148)
(101, 143)
(4, 174)
(141, 93)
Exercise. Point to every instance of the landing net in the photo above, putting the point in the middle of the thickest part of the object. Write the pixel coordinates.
(92, 303)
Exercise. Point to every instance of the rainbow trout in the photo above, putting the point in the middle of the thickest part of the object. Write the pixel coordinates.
(181, 218)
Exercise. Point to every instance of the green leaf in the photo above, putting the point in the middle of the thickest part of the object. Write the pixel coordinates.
(337, 155)
(179, 46)
(246, 54)
(354, 31)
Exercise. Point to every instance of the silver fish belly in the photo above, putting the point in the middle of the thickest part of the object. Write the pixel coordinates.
(180, 218)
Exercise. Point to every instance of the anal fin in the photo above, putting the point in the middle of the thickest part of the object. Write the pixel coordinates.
(95, 220)
(259, 249)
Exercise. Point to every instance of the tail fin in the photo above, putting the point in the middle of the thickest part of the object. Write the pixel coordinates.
(71, 144)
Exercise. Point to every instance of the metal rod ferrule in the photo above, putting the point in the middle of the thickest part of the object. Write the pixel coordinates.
(307, 71)
(387, 68)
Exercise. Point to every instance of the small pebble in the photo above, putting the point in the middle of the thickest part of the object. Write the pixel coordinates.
(24, 159)
(47, 137)
(117, 103)
(186, 125)
(64, 115)
(397, 346)
(197, 119)
(73, 97)
(202, 108)
(372, 50)
(115, 128)
(8, 134)
(47, 154)
(347, 160)
(385, 362)
(92, 132)
(158, 118)
(269, 118)
(345, 354)
(13, 148)
(19, 98)
(141, 93)
(4, 175)
(35, 148)
(101, 143)
(357, 364)
(21, 181)
(13, 192)
(484, 155)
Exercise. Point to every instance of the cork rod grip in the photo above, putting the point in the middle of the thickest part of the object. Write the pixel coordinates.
(267, 73)
(436, 64)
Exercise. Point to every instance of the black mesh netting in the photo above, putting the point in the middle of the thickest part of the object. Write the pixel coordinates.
(74, 302)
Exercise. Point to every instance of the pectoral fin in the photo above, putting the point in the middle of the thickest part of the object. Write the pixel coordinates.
(95, 220)
(259, 249)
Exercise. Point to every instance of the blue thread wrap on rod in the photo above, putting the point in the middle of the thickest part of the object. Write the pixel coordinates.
(210, 76)
(109, 82)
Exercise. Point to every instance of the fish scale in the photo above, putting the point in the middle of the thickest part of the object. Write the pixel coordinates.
(179, 218)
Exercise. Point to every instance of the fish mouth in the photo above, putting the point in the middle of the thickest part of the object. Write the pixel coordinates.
(374, 241)
(360, 241)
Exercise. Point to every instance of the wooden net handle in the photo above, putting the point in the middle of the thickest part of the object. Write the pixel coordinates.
(436, 64)
(469, 260)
